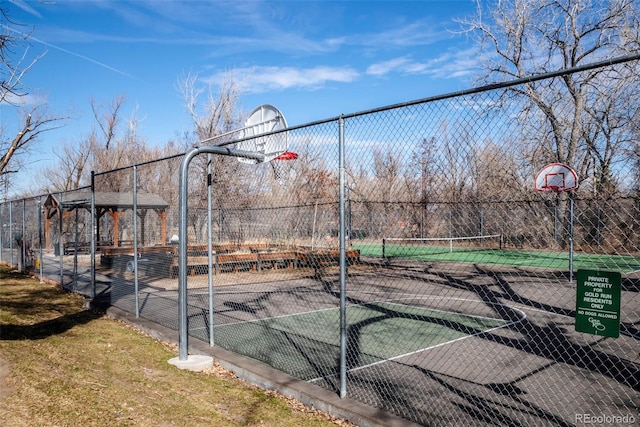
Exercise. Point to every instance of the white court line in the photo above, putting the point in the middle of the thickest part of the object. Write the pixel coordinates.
(413, 296)
(391, 300)
(242, 322)
(275, 317)
(524, 316)
(320, 310)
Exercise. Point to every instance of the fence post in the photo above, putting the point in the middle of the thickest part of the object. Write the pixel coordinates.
(11, 234)
(343, 268)
(571, 236)
(93, 236)
(23, 246)
(1, 231)
(60, 242)
(74, 285)
(210, 247)
(40, 262)
(136, 284)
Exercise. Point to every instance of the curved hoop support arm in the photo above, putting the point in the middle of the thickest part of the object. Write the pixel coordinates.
(183, 333)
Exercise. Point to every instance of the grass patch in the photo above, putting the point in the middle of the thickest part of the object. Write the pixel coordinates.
(61, 364)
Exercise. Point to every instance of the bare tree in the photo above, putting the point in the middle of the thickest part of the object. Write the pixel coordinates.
(70, 171)
(105, 155)
(219, 113)
(33, 119)
(117, 143)
(531, 37)
(420, 179)
(34, 123)
(568, 119)
(387, 170)
(212, 116)
(113, 143)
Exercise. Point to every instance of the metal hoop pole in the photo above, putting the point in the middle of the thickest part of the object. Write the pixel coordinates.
(571, 236)
(183, 333)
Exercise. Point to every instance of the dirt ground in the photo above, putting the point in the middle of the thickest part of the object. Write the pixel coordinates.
(4, 373)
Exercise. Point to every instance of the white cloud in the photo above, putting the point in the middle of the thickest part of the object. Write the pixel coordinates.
(24, 6)
(455, 64)
(386, 67)
(448, 65)
(418, 33)
(263, 79)
(27, 100)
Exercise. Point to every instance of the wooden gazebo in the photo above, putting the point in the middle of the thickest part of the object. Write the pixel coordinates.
(110, 203)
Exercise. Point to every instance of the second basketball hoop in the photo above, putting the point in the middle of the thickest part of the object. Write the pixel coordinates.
(556, 177)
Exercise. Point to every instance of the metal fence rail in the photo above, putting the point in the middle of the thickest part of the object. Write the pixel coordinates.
(477, 328)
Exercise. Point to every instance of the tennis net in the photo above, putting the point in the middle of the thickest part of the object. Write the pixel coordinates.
(423, 247)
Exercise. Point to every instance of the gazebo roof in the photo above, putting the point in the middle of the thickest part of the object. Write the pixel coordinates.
(103, 200)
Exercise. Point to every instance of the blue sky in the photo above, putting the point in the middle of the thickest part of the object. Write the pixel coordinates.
(312, 60)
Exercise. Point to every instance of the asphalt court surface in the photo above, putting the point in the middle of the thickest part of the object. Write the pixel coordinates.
(295, 325)
(437, 336)
(377, 331)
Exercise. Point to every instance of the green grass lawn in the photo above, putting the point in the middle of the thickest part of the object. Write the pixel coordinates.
(64, 365)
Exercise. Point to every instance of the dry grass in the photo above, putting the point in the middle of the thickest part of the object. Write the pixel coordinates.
(63, 365)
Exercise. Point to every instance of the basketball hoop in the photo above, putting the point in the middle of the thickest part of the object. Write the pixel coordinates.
(264, 120)
(265, 132)
(556, 178)
(282, 165)
(287, 155)
(551, 189)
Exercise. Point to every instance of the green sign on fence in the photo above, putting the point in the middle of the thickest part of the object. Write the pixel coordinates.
(598, 303)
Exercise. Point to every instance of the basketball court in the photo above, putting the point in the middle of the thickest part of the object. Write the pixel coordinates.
(455, 330)
(467, 329)
(468, 317)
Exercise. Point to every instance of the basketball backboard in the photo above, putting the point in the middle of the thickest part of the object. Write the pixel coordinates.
(264, 119)
(556, 177)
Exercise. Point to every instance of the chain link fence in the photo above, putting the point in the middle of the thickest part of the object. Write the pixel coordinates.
(403, 259)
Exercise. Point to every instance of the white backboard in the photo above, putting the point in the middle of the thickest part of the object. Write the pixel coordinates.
(264, 119)
(556, 177)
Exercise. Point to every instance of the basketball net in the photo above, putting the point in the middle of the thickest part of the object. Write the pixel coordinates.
(282, 165)
(551, 189)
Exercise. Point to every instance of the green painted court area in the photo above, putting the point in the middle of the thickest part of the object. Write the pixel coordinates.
(508, 257)
(307, 344)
